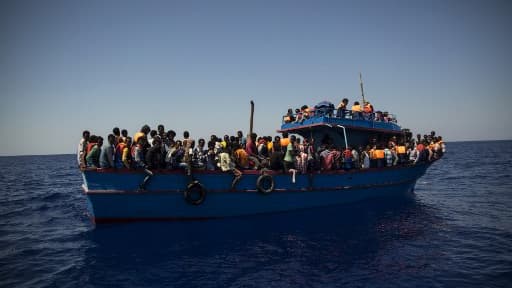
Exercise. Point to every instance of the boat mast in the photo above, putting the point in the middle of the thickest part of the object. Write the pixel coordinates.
(252, 118)
(362, 90)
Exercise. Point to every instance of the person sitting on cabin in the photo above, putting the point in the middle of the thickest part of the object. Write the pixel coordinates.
(94, 151)
(298, 116)
(288, 118)
(342, 108)
(107, 153)
(305, 112)
(378, 117)
(356, 110)
(368, 111)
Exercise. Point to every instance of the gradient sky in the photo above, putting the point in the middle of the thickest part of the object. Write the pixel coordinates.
(66, 66)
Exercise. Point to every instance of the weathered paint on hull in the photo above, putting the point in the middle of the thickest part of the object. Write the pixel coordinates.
(113, 196)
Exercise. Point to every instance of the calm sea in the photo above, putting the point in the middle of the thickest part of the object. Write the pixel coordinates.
(455, 232)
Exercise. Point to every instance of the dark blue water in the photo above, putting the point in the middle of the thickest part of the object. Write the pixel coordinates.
(455, 232)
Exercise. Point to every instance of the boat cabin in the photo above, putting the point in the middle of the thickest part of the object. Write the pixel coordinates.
(344, 128)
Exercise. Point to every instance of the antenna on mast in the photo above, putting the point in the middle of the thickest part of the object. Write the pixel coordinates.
(362, 90)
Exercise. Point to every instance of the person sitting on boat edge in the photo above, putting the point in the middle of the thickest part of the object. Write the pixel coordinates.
(82, 147)
(94, 150)
(124, 135)
(251, 150)
(153, 155)
(117, 134)
(200, 155)
(107, 152)
(118, 153)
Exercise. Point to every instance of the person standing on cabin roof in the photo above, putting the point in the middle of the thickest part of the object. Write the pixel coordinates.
(356, 110)
(368, 111)
(82, 148)
(107, 153)
(342, 108)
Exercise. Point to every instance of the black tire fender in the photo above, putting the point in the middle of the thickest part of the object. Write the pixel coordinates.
(265, 184)
(195, 193)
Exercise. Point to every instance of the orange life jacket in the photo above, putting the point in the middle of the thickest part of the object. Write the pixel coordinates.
(120, 148)
(89, 147)
(285, 142)
(400, 150)
(379, 154)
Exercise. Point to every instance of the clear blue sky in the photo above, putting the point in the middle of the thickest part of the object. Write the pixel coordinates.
(66, 66)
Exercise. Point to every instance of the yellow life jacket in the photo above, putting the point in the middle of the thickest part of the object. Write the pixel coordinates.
(137, 136)
(356, 108)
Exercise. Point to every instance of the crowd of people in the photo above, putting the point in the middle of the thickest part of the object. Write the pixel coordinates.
(160, 149)
(356, 112)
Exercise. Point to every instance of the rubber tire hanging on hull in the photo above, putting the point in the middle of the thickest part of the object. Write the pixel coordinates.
(195, 193)
(265, 184)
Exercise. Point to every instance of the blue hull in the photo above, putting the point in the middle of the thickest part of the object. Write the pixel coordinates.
(114, 195)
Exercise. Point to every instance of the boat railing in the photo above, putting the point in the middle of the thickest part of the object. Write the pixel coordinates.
(378, 116)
